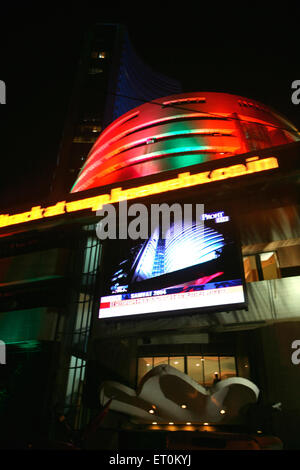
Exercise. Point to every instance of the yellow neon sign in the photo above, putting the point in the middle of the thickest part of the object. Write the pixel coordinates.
(183, 180)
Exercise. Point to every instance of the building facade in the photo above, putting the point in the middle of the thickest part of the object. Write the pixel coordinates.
(236, 157)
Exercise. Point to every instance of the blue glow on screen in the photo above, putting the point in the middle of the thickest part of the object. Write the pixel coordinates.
(180, 249)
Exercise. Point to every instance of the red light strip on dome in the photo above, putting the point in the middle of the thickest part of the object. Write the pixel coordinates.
(183, 180)
(190, 100)
(101, 146)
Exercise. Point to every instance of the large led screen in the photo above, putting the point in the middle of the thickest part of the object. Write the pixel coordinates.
(192, 268)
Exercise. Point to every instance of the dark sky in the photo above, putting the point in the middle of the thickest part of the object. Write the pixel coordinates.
(248, 50)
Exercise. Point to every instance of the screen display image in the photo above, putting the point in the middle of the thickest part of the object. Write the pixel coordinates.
(191, 268)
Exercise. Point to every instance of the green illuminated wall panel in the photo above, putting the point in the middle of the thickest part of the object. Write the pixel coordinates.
(27, 325)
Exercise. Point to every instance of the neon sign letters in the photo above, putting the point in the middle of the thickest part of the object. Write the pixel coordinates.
(183, 180)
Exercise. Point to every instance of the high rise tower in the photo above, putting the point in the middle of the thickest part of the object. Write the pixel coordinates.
(111, 79)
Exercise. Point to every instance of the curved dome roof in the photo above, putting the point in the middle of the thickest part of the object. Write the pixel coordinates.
(179, 131)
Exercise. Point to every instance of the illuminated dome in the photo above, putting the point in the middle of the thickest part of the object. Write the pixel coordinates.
(179, 131)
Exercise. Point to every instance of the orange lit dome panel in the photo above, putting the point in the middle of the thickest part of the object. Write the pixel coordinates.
(179, 131)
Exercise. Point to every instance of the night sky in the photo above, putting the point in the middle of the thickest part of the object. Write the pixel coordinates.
(250, 50)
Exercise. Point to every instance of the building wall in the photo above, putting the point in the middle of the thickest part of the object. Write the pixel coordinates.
(259, 337)
(87, 351)
(278, 377)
